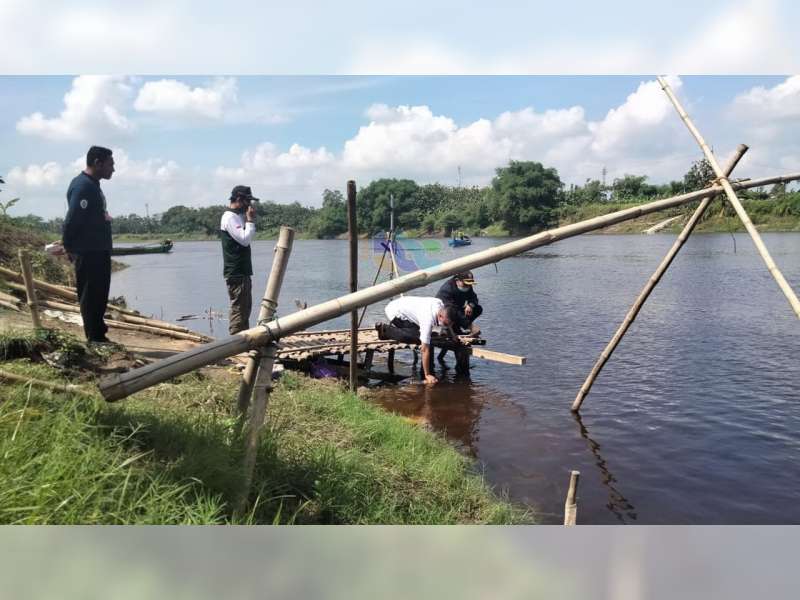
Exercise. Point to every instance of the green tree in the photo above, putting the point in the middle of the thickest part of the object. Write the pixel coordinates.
(632, 187)
(373, 204)
(699, 175)
(330, 220)
(527, 195)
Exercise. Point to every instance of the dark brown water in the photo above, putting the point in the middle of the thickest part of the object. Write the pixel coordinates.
(695, 419)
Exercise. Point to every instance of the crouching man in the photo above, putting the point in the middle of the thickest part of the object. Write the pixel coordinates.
(411, 319)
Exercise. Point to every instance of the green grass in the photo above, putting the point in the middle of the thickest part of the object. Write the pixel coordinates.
(172, 455)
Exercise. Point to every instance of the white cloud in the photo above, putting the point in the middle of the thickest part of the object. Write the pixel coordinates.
(781, 102)
(93, 108)
(642, 135)
(36, 176)
(172, 97)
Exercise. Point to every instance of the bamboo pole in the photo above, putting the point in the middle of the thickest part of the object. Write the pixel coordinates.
(9, 298)
(117, 386)
(46, 385)
(142, 328)
(10, 305)
(353, 235)
(55, 290)
(260, 385)
(269, 303)
(571, 504)
(734, 200)
(650, 286)
(27, 277)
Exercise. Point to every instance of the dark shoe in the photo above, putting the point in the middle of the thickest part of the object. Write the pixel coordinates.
(381, 329)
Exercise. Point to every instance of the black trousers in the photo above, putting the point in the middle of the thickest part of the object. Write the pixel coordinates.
(464, 321)
(93, 278)
(403, 331)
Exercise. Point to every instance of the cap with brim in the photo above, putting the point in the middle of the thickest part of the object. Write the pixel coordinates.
(242, 191)
(466, 278)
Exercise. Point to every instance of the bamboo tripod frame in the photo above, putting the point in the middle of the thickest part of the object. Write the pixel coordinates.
(649, 287)
(734, 200)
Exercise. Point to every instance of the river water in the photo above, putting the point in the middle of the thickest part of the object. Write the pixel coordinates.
(695, 419)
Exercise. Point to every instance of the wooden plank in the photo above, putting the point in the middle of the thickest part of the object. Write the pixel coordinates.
(501, 357)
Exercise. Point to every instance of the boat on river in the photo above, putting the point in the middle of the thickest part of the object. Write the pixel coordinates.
(159, 248)
(461, 240)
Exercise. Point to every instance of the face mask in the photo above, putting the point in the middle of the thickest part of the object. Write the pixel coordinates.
(461, 287)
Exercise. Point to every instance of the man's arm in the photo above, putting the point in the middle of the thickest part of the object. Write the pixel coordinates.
(243, 236)
(425, 327)
(77, 209)
(426, 361)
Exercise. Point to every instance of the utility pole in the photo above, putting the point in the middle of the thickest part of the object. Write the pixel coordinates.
(459, 175)
(147, 212)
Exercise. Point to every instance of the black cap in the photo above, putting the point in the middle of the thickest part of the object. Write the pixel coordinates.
(242, 191)
(465, 277)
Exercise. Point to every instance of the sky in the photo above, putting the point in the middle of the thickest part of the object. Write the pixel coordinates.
(293, 98)
(189, 139)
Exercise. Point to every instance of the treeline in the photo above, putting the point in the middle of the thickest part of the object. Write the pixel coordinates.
(523, 197)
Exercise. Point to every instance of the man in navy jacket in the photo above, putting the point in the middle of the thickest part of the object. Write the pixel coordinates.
(87, 240)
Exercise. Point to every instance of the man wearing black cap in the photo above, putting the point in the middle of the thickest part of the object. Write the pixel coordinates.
(237, 228)
(457, 291)
(87, 240)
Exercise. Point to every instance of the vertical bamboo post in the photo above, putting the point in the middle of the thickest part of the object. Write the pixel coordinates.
(571, 504)
(353, 235)
(649, 286)
(734, 200)
(27, 277)
(257, 378)
(269, 303)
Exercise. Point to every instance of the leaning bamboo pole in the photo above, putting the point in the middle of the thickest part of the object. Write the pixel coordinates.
(650, 286)
(261, 384)
(269, 303)
(734, 200)
(117, 386)
(27, 278)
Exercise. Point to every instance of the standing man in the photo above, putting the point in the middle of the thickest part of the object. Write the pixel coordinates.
(411, 319)
(237, 228)
(87, 241)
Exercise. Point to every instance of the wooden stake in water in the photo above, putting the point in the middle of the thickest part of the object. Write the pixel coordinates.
(27, 276)
(353, 234)
(571, 504)
(734, 200)
(649, 286)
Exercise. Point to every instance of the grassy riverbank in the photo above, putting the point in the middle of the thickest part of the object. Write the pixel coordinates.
(171, 454)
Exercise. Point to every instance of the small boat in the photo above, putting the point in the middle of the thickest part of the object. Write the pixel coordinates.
(461, 240)
(160, 248)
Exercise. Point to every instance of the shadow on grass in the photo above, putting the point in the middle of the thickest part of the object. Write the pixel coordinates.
(205, 450)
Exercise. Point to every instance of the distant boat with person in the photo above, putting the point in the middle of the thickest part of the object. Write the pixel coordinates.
(460, 240)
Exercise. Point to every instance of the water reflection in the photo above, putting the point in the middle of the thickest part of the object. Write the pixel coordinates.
(618, 504)
(453, 407)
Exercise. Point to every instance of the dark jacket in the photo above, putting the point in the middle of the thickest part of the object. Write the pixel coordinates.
(85, 226)
(450, 294)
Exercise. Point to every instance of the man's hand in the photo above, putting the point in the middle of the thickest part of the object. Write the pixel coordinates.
(431, 379)
(251, 213)
(468, 310)
(108, 217)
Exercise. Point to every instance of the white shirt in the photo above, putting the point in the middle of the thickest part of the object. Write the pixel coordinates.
(422, 311)
(234, 224)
